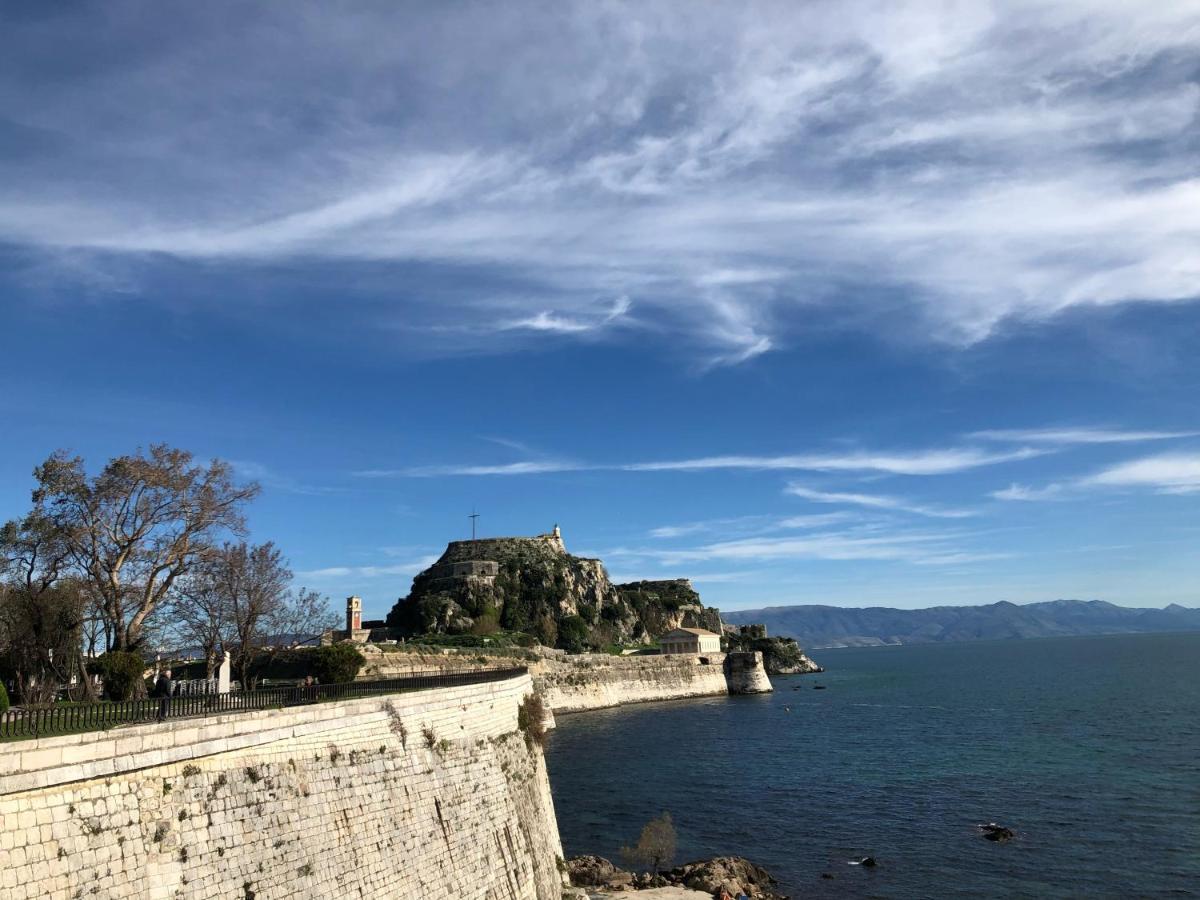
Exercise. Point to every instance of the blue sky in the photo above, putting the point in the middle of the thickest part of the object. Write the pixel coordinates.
(846, 303)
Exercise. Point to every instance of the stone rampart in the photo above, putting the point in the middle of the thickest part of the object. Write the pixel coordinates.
(595, 680)
(432, 794)
(571, 683)
(745, 673)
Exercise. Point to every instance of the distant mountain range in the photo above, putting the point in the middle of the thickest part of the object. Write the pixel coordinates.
(815, 627)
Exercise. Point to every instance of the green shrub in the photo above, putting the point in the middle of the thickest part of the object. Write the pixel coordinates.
(573, 634)
(487, 622)
(531, 719)
(122, 673)
(3, 699)
(337, 663)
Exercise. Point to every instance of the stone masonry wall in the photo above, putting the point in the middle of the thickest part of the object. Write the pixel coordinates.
(595, 680)
(572, 683)
(431, 794)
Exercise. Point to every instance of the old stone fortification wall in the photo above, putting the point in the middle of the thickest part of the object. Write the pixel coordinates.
(595, 680)
(572, 683)
(431, 794)
(745, 673)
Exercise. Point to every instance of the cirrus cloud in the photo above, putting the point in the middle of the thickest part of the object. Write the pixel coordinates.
(736, 172)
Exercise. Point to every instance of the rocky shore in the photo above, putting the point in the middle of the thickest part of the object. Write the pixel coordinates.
(781, 656)
(597, 877)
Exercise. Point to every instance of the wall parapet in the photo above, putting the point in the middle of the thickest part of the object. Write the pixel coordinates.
(64, 719)
(44, 762)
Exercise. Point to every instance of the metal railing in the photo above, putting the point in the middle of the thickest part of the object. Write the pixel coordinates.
(68, 718)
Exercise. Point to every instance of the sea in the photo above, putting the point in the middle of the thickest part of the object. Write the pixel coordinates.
(1087, 747)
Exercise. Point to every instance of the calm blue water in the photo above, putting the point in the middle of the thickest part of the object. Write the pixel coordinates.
(1088, 747)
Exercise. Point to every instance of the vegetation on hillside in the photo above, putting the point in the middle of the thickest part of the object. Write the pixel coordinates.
(781, 656)
(557, 599)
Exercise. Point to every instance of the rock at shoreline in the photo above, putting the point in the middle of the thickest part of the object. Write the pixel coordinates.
(731, 873)
(590, 871)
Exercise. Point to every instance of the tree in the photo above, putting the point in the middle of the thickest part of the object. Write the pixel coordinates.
(201, 613)
(303, 615)
(547, 630)
(254, 581)
(138, 527)
(336, 663)
(123, 674)
(573, 634)
(41, 611)
(249, 587)
(97, 635)
(655, 846)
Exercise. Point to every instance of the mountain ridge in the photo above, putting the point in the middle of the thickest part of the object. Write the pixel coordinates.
(817, 626)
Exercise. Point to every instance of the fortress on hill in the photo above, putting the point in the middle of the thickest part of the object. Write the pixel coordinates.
(533, 585)
(477, 558)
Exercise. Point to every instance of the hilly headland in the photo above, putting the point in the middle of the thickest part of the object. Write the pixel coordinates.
(822, 627)
(530, 591)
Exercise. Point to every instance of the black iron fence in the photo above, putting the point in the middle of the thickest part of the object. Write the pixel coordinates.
(65, 718)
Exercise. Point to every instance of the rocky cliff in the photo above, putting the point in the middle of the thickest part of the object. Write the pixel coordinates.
(533, 585)
(781, 656)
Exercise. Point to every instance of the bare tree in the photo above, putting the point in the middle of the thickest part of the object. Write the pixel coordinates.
(656, 844)
(239, 598)
(97, 635)
(254, 581)
(304, 614)
(201, 611)
(139, 526)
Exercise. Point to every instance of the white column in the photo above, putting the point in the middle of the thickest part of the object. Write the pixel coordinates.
(223, 675)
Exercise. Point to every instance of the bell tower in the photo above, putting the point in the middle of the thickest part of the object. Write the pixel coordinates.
(353, 615)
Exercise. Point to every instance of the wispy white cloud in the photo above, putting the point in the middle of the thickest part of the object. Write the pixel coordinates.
(958, 558)
(1068, 436)
(687, 529)
(1022, 492)
(547, 320)
(877, 501)
(729, 171)
(536, 467)
(856, 544)
(1171, 473)
(926, 462)
(272, 479)
(1168, 473)
(381, 571)
(723, 577)
(757, 524)
(922, 462)
(817, 520)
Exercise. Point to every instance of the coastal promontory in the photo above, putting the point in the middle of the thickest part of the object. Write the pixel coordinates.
(532, 585)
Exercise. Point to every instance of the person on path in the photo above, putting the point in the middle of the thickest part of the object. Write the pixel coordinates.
(164, 687)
